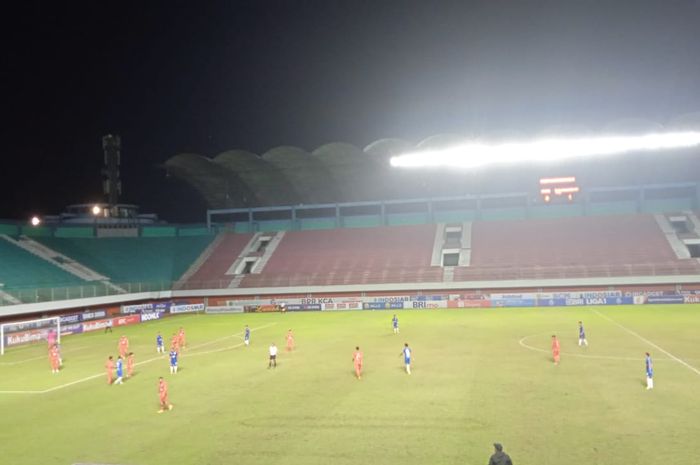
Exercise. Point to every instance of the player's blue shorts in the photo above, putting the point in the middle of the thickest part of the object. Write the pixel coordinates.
(407, 360)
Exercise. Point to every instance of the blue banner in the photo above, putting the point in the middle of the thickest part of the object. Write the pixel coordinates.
(148, 316)
(74, 328)
(619, 300)
(67, 319)
(161, 306)
(429, 297)
(551, 302)
(137, 308)
(93, 315)
(513, 302)
(581, 301)
(377, 305)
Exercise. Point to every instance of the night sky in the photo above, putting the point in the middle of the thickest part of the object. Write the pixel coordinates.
(173, 77)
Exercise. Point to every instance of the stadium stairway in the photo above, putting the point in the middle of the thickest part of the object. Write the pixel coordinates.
(448, 274)
(20, 269)
(695, 221)
(257, 253)
(671, 235)
(388, 254)
(62, 261)
(272, 245)
(197, 264)
(436, 258)
(576, 247)
(446, 243)
(7, 298)
(143, 260)
(219, 262)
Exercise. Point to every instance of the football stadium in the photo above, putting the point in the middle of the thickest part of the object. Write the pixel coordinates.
(475, 285)
(529, 296)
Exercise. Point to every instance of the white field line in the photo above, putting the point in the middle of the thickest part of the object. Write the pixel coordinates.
(82, 380)
(143, 362)
(682, 362)
(214, 341)
(63, 351)
(571, 354)
(213, 351)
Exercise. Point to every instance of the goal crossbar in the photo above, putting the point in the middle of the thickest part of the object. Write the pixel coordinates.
(28, 331)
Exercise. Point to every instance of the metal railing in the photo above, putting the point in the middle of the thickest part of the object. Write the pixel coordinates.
(341, 277)
(84, 291)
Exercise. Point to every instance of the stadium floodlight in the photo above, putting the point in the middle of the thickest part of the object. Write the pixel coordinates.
(35, 221)
(476, 154)
(96, 210)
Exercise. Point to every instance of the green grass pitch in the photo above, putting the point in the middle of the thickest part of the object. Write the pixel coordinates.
(479, 376)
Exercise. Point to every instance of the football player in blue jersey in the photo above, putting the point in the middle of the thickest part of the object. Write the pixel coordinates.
(173, 361)
(406, 352)
(582, 335)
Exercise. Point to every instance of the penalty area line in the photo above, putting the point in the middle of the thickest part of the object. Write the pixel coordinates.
(42, 357)
(21, 392)
(143, 362)
(669, 354)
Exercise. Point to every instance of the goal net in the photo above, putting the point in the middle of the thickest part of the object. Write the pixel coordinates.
(30, 331)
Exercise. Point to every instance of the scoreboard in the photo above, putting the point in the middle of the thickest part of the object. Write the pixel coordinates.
(562, 188)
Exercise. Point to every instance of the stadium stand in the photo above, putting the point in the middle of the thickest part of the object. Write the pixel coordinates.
(577, 247)
(133, 259)
(21, 269)
(629, 245)
(573, 247)
(351, 256)
(213, 271)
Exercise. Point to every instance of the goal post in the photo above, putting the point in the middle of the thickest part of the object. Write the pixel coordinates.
(29, 331)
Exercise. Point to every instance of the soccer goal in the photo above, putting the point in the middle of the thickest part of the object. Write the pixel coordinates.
(26, 332)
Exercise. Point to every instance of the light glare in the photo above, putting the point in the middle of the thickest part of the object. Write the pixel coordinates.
(558, 180)
(474, 155)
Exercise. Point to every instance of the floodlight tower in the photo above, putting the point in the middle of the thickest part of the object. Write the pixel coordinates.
(112, 185)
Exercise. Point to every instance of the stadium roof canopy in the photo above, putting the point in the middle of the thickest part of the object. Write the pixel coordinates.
(342, 172)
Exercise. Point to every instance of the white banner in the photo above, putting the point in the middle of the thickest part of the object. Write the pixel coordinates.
(342, 306)
(187, 308)
(225, 309)
(95, 325)
(522, 296)
(425, 304)
(137, 308)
